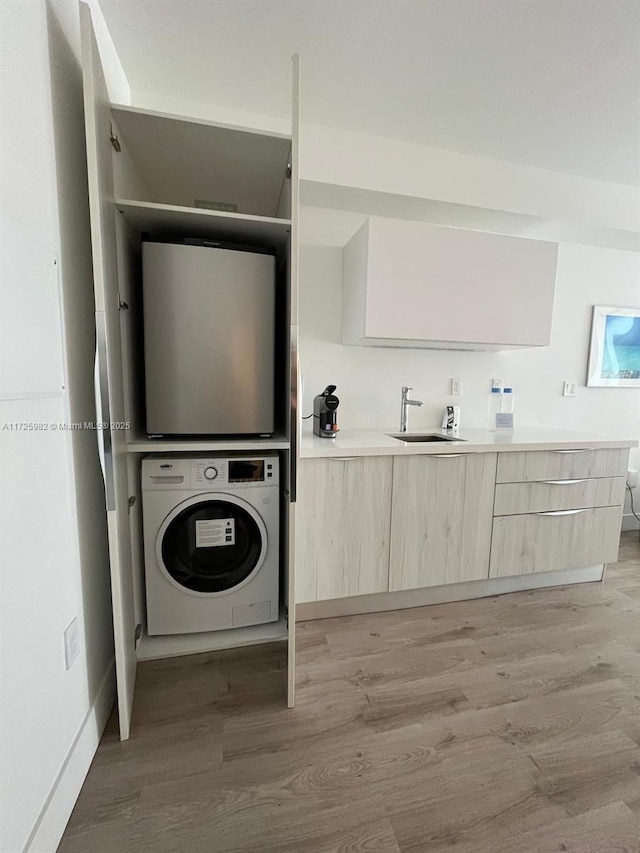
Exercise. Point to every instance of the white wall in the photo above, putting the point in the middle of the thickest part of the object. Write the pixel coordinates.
(341, 157)
(369, 378)
(54, 556)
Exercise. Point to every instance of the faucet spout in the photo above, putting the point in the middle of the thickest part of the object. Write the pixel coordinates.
(404, 403)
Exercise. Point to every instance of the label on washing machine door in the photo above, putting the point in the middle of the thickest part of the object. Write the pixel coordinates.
(214, 532)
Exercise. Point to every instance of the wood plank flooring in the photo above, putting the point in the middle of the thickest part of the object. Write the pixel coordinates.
(501, 725)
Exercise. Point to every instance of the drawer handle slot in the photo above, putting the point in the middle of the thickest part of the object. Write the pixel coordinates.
(344, 458)
(563, 482)
(446, 455)
(562, 512)
(578, 450)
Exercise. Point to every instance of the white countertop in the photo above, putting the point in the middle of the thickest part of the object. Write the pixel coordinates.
(377, 442)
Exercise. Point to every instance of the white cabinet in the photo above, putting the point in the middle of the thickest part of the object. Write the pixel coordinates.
(174, 178)
(442, 509)
(343, 513)
(411, 284)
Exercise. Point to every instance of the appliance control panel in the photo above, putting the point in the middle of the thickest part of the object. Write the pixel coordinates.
(240, 471)
(210, 472)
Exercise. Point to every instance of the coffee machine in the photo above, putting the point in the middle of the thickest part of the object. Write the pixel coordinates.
(325, 419)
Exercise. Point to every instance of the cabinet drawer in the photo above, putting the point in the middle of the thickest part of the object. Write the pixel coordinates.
(545, 542)
(517, 498)
(520, 467)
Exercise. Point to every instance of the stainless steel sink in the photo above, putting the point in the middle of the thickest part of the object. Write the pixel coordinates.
(425, 439)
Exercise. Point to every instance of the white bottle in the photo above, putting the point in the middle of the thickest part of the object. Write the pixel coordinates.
(495, 406)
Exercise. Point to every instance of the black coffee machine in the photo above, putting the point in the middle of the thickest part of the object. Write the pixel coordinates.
(325, 419)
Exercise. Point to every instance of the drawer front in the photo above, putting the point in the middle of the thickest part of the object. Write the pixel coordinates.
(523, 544)
(524, 466)
(517, 498)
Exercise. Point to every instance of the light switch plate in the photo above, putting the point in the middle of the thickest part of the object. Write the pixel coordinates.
(569, 389)
(456, 387)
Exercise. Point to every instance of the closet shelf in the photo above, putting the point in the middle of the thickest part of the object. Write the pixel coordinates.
(163, 445)
(171, 221)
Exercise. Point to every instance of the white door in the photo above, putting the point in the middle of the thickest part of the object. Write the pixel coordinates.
(109, 374)
(295, 378)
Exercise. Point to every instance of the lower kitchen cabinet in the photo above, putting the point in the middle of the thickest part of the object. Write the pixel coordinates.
(557, 509)
(343, 512)
(550, 541)
(442, 511)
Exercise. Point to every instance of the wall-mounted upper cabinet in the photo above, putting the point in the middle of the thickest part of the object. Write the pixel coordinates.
(412, 284)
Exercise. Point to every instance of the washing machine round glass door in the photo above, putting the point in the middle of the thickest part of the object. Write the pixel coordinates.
(212, 544)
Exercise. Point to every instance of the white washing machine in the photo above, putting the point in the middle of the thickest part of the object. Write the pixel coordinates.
(211, 541)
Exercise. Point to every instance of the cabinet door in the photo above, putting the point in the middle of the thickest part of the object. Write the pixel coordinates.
(441, 519)
(343, 516)
(294, 378)
(451, 287)
(109, 374)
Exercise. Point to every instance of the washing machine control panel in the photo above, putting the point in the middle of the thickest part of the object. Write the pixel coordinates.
(245, 471)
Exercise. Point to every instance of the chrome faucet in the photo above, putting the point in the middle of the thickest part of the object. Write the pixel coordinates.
(403, 407)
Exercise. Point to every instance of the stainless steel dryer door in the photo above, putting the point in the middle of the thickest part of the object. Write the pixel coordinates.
(211, 544)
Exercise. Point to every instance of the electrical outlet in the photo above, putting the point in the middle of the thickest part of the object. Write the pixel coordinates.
(71, 643)
(496, 383)
(569, 389)
(456, 387)
(632, 477)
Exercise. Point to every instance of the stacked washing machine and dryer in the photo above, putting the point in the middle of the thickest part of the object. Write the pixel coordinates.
(211, 521)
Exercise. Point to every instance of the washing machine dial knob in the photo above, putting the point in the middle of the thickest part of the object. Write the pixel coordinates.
(210, 473)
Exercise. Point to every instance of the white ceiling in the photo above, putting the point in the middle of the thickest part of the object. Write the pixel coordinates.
(547, 83)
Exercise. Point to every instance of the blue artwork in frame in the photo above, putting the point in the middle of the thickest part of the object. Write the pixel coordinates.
(614, 353)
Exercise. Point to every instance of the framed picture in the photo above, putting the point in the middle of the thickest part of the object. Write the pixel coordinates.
(614, 352)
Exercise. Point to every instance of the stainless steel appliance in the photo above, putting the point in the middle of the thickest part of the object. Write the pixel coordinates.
(209, 339)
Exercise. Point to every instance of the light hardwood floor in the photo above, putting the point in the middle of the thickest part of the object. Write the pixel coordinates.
(502, 725)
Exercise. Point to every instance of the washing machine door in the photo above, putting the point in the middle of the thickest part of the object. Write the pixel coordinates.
(211, 544)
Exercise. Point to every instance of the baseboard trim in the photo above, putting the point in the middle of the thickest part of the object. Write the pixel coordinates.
(56, 811)
(629, 522)
(379, 602)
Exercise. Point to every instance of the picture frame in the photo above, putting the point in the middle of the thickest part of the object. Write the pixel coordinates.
(614, 348)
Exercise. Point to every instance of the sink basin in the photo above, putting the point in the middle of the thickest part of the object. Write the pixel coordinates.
(425, 439)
